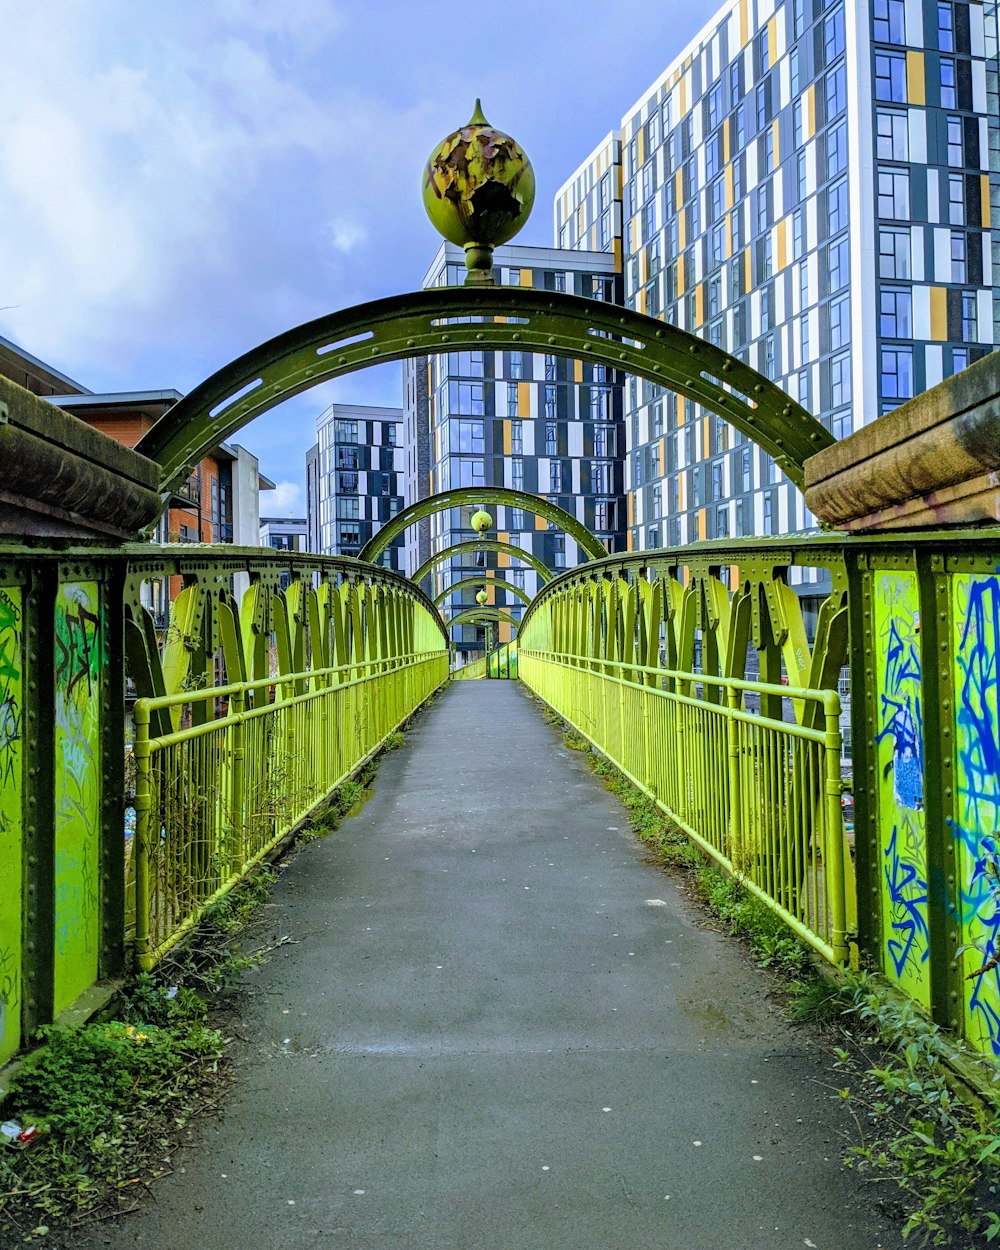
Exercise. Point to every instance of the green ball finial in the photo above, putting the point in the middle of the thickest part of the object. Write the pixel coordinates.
(481, 521)
(478, 191)
(481, 597)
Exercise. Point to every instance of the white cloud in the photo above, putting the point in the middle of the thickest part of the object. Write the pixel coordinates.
(347, 234)
(285, 500)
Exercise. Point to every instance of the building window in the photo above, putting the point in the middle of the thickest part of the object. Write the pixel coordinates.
(550, 438)
(840, 380)
(769, 365)
(469, 472)
(957, 256)
(768, 525)
(550, 367)
(516, 365)
(467, 436)
(956, 144)
(466, 398)
(550, 402)
(959, 359)
(804, 389)
(897, 373)
(894, 194)
(893, 253)
(764, 51)
(345, 432)
(517, 473)
(838, 264)
(836, 149)
(890, 77)
(948, 92)
(836, 92)
(833, 36)
(657, 502)
(760, 101)
(555, 476)
(840, 322)
(601, 477)
(722, 522)
(798, 232)
(798, 16)
(768, 147)
(795, 72)
(946, 27)
(889, 21)
(956, 200)
(516, 438)
(895, 312)
(836, 207)
(970, 317)
(512, 409)
(765, 308)
(892, 136)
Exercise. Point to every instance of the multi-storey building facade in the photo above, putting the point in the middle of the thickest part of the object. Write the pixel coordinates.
(533, 422)
(354, 478)
(807, 186)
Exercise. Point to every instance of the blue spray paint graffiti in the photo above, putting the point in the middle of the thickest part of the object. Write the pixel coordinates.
(977, 819)
(900, 742)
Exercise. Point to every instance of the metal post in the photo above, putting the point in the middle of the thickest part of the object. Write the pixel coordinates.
(834, 851)
(142, 834)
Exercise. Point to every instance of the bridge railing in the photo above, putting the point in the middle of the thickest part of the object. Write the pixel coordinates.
(761, 796)
(213, 798)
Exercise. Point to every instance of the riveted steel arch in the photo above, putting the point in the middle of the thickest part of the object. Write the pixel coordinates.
(482, 544)
(498, 583)
(461, 318)
(477, 497)
(471, 615)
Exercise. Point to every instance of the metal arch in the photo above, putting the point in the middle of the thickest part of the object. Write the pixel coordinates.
(483, 544)
(471, 615)
(477, 496)
(499, 583)
(460, 318)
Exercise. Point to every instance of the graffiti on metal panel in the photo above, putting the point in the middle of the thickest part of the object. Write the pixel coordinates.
(977, 816)
(900, 745)
(11, 737)
(79, 661)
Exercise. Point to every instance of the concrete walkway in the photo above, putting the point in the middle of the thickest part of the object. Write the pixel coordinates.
(500, 1029)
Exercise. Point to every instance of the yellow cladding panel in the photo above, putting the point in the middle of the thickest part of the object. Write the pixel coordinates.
(702, 523)
(915, 92)
(984, 190)
(744, 23)
(748, 269)
(682, 229)
(629, 544)
(506, 631)
(491, 594)
(810, 111)
(782, 232)
(776, 133)
(729, 187)
(617, 253)
(642, 300)
(681, 409)
(772, 40)
(706, 439)
(684, 95)
(502, 537)
(663, 455)
(631, 508)
(593, 238)
(526, 277)
(939, 313)
(699, 304)
(642, 145)
(506, 438)
(682, 492)
(725, 142)
(524, 399)
(679, 186)
(503, 560)
(577, 370)
(541, 523)
(680, 276)
(734, 577)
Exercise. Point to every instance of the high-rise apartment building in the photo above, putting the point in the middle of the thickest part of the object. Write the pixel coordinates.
(354, 479)
(806, 185)
(533, 422)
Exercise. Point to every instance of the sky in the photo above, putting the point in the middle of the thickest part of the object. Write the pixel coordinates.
(180, 181)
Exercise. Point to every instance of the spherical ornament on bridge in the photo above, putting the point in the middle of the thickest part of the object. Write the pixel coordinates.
(481, 521)
(478, 191)
(481, 597)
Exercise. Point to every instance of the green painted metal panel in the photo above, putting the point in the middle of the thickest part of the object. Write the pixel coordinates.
(11, 765)
(80, 663)
(976, 819)
(899, 744)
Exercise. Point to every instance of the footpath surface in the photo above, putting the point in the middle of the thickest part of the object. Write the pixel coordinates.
(496, 1027)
